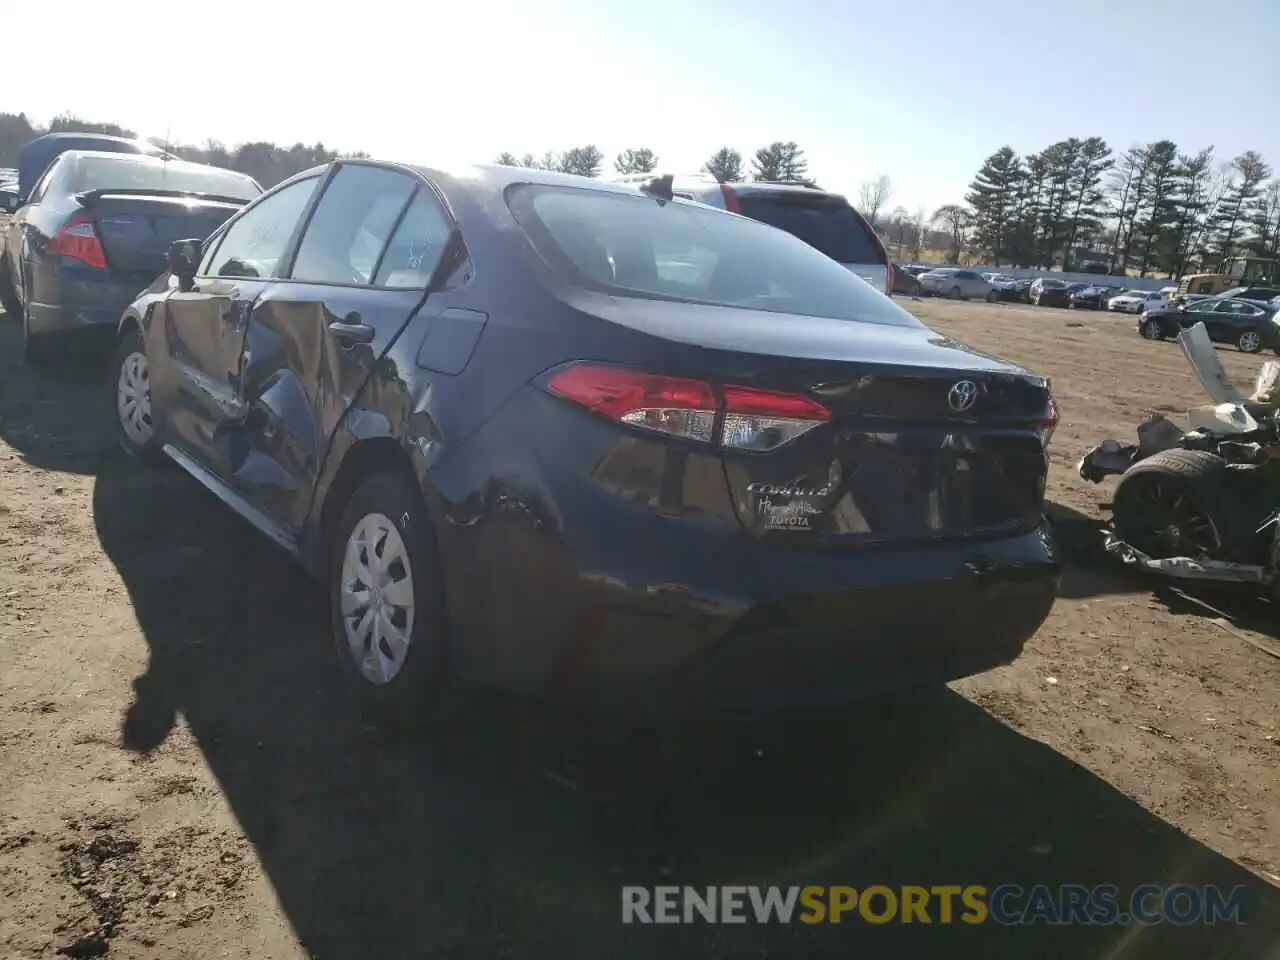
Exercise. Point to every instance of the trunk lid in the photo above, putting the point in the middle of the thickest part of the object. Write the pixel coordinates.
(136, 227)
(898, 461)
(927, 439)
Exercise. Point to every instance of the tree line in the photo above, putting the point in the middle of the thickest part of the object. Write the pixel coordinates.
(268, 163)
(780, 162)
(1154, 208)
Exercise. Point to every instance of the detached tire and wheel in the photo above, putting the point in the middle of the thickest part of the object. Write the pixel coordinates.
(1181, 503)
(386, 601)
(1249, 341)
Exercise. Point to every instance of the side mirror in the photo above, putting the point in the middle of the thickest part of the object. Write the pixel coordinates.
(184, 258)
(9, 201)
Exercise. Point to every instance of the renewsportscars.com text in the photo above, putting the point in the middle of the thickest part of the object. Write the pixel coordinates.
(1007, 904)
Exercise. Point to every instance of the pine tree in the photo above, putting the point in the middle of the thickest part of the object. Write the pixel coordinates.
(993, 199)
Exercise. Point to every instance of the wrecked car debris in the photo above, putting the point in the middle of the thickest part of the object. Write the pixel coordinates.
(1200, 503)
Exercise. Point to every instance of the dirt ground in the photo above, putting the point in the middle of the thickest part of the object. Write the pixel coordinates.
(181, 776)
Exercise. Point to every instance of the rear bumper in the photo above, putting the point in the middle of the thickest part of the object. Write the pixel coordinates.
(827, 630)
(79, 299)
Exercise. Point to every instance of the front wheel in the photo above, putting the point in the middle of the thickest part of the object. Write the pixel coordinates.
(955, 293)
(1249, 341)
(131, 387)
(1150, 330)
(386, 600)
(993, 296)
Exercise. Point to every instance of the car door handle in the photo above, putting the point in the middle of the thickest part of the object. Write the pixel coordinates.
(351, 333)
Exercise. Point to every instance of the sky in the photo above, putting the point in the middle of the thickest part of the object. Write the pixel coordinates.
(922, 92)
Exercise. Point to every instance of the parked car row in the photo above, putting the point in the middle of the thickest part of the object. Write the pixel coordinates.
(507, 417)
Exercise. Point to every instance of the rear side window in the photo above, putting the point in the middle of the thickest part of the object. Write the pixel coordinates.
(828, 225)
(631, 245)
(416, 246)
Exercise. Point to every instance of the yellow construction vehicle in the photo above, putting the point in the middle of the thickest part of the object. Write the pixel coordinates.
(1235, 272)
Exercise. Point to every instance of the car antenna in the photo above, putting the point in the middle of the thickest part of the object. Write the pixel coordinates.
(660, 187)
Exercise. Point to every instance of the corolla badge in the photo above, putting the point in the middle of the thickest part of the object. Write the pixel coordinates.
(962, 395)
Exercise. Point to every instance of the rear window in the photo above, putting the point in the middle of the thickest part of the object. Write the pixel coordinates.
(121, 173)
(831, 226)
(631, 245)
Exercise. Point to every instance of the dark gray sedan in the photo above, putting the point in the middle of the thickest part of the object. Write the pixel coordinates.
(95, 230)
(1246, 324)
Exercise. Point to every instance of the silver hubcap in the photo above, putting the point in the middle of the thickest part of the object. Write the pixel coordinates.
(1249, 341)
(377, 598)
(1149, 330)
(133, 398)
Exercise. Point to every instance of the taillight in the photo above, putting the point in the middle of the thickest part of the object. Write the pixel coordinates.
(749, 419)
(1048, 423)
(730, 198)
(78, 240)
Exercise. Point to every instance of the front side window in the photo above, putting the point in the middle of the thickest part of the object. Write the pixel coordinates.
(632, 245)
(254, 244)
(352, 222)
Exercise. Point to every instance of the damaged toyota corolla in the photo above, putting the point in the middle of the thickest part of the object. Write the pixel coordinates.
(1200, 503)
(595, 441)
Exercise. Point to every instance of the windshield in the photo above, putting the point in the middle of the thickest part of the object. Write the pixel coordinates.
(144, 173)
(631, 245)
(825, 223)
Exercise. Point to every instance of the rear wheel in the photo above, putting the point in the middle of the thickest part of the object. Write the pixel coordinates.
(1249, 341)
(386, 599)
(1180, 503)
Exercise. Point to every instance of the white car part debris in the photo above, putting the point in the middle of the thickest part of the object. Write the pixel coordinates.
(1186, 568)
(1222, 419)
(1204, 361)
(1267, 385)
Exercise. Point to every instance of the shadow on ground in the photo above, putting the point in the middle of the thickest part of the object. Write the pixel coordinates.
(57, 417)
(1090, 571)
(489, 841)
(482, 841)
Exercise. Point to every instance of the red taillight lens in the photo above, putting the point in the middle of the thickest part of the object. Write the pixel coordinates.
(752, 419)
(730, 198)
(1050, 423)
(78, 240)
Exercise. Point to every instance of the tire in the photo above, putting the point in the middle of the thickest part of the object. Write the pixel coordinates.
(130, 385)
(1150, 330)
(993, 296)
(386, 510)
(1193, 478)
(1249, 341)
(954, 293)
(8, 292)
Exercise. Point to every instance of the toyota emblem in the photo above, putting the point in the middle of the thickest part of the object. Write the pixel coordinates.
(962, 395)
